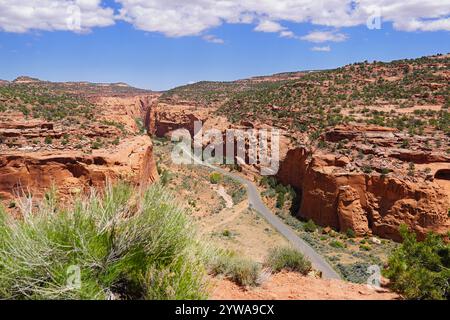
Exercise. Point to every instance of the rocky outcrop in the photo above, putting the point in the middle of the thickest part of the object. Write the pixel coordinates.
(76, 153)
(350, 211)
(126, 110)
(74, 171)
(353, 132)
(162, 119)
(365, 203)
(419, 157)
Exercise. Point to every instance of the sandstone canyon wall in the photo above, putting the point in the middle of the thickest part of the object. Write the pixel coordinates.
(28, 165)
(365, 203)
(74, 171)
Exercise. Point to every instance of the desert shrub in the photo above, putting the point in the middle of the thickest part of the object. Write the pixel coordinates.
(242, 271)
(286, 258)
(280, 200)
(310, 226)
(165, 177)
(48, 140)
(239, 195)
(337, 244)
(411, 169)
(356, 272)
(365, 247)
(140, 125)
(126, 245)
(116, 141)
(215, 177)
(97, 144)
(350, 233)
(367, 169)
(420, 270)
(385, 172)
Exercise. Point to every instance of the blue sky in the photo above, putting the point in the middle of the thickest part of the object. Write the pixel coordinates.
(130, 52)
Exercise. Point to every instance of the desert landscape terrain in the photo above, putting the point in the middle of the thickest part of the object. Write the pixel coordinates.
(364, 151)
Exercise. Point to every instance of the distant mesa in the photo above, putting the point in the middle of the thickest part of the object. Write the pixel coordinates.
(120, 84)
(25, 79)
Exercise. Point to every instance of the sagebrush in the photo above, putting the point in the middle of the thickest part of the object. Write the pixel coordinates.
(126, 245)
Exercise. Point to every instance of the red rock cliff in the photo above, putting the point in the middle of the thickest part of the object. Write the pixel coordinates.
(364, 203)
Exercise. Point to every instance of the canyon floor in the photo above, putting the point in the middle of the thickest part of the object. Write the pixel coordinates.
(224, 220)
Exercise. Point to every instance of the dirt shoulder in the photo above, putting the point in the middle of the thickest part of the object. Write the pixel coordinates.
(293, 286)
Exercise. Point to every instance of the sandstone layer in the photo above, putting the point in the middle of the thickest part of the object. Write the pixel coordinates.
(74, 171)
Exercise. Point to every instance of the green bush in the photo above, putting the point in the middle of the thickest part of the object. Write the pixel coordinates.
(126, 245)
(420, 270)
(165, 177)
(286, 258)
(355, 272)
(116, 141)
(367, 169)
(239, 195)
(310, 226)
(350, 233)
(215, 178)
(97, 144)
(280, 200)
(241, 271)
(337, 244)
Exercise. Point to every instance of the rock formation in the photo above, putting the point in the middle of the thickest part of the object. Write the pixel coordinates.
(333, 189)
(365, 203)
(74, 171)
(75, 150)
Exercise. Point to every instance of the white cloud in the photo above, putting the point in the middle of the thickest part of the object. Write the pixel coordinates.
(69, 15)
(287, 34)
(176, 18)
(324, 36)
(213, 39)
(424, 25)
(321, 49)
(180, 17)
(269, 26)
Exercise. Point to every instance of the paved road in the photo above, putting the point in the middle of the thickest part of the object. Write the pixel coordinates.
(255, 201)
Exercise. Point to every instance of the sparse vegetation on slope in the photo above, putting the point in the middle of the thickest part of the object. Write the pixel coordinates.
(351, 94)
(43, 102)
(370, 93)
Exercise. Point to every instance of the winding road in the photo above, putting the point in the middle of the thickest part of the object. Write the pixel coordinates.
(255, 202)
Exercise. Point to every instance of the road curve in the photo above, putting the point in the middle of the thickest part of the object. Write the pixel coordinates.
(255, 202)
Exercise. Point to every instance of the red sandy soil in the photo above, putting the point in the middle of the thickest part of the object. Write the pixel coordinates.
(293, 286)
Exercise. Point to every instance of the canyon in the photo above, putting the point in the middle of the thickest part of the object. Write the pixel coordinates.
(352, 172)
(75, 152)
(356, 174)
(331, 192)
